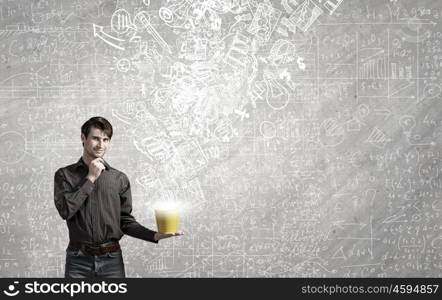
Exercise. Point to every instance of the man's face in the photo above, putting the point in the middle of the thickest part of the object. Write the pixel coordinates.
(96, 143)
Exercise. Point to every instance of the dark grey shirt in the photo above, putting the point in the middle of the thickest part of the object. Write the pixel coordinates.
(100, 211)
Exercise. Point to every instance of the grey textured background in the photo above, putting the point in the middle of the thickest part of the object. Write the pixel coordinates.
(301, 138)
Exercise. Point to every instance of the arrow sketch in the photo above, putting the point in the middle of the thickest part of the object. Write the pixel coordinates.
(385, 112)
(99, 32)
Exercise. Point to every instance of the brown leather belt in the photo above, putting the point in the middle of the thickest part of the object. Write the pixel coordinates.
(96, 249)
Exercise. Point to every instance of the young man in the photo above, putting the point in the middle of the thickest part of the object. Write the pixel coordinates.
(96, 202)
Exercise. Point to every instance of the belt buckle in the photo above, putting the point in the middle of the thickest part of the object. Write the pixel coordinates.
(93, 250)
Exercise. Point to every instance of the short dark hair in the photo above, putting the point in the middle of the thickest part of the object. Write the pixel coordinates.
(99, 123)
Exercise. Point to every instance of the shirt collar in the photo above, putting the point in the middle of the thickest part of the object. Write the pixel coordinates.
(81, 163)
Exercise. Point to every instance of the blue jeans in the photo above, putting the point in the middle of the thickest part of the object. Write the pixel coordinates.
(80, 264)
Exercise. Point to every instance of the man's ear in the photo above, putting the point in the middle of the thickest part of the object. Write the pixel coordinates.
(83, 138)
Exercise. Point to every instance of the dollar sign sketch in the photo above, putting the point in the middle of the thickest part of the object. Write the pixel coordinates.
(300, 62)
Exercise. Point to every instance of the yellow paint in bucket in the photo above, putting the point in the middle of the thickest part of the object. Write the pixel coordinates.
(167, 220)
